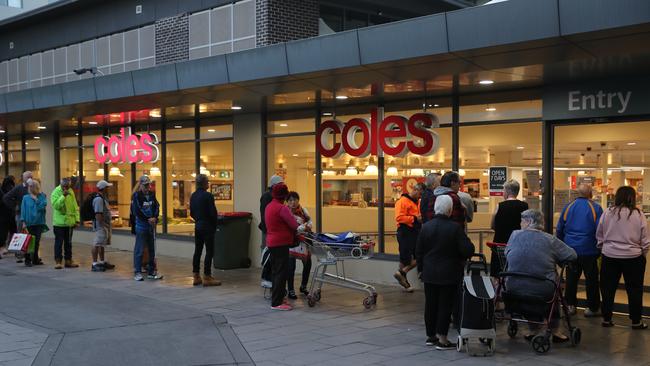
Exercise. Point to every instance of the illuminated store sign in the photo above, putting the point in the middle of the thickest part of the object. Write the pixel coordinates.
(395, 135)
(127, 148)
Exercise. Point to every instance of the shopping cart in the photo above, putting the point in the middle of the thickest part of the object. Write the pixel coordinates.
(334, 250)
(498, 254)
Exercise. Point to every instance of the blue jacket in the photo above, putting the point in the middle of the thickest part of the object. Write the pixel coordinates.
(143, 208)
(32, 211)
(577, 226)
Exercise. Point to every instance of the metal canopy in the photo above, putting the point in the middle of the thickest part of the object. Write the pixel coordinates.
(568, 39)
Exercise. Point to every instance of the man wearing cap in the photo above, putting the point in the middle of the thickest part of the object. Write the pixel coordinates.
(145, 208)
(102, 227)
(266, 198)
(65, 217)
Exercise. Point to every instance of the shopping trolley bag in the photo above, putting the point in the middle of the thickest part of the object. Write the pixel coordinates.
(19, 243)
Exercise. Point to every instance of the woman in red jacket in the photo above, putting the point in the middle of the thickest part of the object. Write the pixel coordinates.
(281, 229)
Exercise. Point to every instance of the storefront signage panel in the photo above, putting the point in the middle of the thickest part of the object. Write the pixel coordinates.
(498, 176)
(394, 135)
(127, 148)
(608, 98)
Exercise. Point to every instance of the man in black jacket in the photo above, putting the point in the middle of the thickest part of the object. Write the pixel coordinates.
(266, 258)
(204, 213)
(441, 251)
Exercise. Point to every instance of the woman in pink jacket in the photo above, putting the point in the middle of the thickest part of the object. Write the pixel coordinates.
(622, 235)
(281, 229)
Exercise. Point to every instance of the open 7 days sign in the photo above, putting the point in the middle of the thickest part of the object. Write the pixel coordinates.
(394, 135)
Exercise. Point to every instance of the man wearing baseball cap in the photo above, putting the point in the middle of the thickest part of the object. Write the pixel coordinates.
(145, 208)
(102, 227)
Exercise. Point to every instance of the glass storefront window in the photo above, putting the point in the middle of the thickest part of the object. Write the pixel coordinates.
(293, 158)
(215, 130)
(180, 131)
(286, 126)
(217, 164)
(180, 185)
(33, 163)
(517, 146)
(69, 167)
(501, 111)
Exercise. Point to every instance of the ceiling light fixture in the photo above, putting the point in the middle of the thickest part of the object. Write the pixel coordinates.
(2, 131)
(490, 109)
(436, 105)
(486, 82)
(631, 143)
(235, 108)
(92, 122)
(42, 128)
(520, 147)
(327, 114)
(341, 97)
(178, 126)
(212, 130)
(284, 125)
(37, 137)
(294, 155)
(392, 171)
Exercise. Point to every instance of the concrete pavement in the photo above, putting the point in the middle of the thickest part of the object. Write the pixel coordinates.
(107, 318)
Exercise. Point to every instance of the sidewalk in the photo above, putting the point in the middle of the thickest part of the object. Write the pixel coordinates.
(107, 318)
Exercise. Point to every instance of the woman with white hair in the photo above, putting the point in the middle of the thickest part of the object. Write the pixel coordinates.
(441, 250)
(32, 218)
(537, 253)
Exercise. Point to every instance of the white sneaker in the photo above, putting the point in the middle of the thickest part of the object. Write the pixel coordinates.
(266, 284)
(138, 277)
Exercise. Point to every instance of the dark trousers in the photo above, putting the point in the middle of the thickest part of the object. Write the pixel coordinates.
(203, 238)
(438, 305)
(279, 259)
(588, 265)
(291, 272)
(144, 238)
(62, 243)
(35, 232)
(633, 271)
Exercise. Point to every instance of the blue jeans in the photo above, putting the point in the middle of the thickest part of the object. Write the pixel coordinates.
(142, 238)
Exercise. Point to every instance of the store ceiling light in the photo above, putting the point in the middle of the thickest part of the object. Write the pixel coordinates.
(37, 137)
(417, 172)
(351, 171)
(92, 122)
(461, 172)
(490, 109)
(115, 172)
(327, 114)
(178, 126)
(2, 131)
(284, 125)
(436, 105)
(341, 97)
(631, 143)
(520, 147)
(235, 108)
(42, 128)
(486, 82)
(371, 170)
(99, 172)
(392, 171)
(212, 130)
(294, 155)
(154, 172)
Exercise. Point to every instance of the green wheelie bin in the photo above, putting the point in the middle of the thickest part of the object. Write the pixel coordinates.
(231, 240)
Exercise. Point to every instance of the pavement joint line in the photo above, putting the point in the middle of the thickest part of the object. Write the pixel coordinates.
(135, 324)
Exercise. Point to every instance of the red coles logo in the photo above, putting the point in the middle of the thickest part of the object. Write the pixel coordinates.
(395, 135)
(127, 148)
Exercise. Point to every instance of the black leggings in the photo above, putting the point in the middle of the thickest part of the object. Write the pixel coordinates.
(439, 303)
(291, 272)
(633, 271)
(279, 259)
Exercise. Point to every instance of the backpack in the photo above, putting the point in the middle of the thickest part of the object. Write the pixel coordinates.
(87, 210)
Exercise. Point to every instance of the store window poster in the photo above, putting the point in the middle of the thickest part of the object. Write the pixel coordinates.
(222, 191)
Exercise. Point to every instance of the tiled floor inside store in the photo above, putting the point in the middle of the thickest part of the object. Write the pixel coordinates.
(338, 330)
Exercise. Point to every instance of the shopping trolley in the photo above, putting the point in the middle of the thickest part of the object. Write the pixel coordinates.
(334, 250)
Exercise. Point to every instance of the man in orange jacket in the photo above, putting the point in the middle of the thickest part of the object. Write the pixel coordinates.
(409, 221)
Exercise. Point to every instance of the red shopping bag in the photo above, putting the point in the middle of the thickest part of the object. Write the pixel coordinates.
(19, 243)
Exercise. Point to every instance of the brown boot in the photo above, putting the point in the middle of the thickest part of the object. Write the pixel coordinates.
(196, 279)
(210, 281)
(69, 263)
(58, 265)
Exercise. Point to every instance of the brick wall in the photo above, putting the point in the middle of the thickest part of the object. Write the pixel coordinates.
(172, 39)
(285, 20)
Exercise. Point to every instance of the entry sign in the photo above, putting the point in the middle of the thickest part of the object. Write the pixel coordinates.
(498, 176)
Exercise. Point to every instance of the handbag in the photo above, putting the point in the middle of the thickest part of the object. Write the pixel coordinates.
(20, 243)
